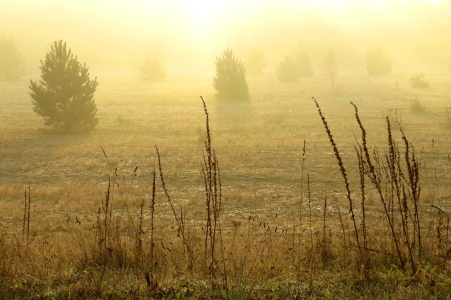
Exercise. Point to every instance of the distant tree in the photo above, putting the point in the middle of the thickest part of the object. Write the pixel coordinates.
(64, 95)
(287, 70)
(302, 61)
(152, 69)
(230, 80)
(11, 62)
(255, 61)
(330, 65)
(378, 62)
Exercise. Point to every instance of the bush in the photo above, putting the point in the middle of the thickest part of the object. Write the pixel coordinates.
(416, 107)
(64, 95)
(230, 80)
(255, 61)
(152, 69)
(302, 60)
(11, 62)
(378, 62)
(287, 70)
(418, 81)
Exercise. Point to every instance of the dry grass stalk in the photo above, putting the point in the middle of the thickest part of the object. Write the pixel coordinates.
(179, 219)
(344, 175)
(375, 175)
(152, 223)
(213, 198)
(394, 189)
(413, 167)
(26, 214)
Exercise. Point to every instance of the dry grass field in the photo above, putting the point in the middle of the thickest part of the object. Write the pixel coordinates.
(284, 231)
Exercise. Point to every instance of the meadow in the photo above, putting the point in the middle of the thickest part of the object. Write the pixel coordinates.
(81, 217)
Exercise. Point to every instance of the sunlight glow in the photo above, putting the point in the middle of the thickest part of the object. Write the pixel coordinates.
(204, 8)
(340, 3)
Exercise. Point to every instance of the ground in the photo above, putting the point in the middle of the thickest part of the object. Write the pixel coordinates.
(259, 145)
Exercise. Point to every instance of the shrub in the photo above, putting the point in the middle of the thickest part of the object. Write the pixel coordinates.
(418, 81)
(287, 70)
(255, 61)
(230, 80)
(378, 62)
(416, 107)
(302, 60)
(152, 69)
(64, 95)
(11, 62)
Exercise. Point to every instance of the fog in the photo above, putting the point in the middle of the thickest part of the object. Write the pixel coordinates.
(187, 35)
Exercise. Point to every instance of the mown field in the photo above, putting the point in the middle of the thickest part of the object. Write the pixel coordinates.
(285, 229)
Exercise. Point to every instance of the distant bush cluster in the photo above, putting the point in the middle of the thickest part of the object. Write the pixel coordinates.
(292, 68)
(287, 70)
(64, 96)
(11, 61)
(418, 81)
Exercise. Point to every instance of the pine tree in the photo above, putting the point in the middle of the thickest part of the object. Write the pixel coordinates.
(64, 95)
(287, 70)
(230, 81)
(302, 61)
(378, 62)
(11, 62)
(152, 69)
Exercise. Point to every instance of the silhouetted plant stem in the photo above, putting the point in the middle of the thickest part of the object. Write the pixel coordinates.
(213, 198)
(343, 173)
(397, 193)
(152, 222)
(179, 220)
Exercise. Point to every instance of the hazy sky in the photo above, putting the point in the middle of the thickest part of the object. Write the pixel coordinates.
(192, 32)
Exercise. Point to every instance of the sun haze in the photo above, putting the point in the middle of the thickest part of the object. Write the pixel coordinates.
(191, 33)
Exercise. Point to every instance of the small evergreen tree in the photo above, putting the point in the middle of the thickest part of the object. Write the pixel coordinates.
(64, 95)
(11, 62)
(152, 69)
(302, 60)
(255, 61)
(230, 80)
(287, 70)
(378, 62)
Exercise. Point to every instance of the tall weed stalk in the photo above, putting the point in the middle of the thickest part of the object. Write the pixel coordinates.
(213, 199)
(344, 175)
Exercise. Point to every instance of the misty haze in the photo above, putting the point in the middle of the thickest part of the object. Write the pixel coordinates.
(178, 149)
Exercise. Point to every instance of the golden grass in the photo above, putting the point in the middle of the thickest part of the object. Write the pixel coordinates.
(263, 247)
